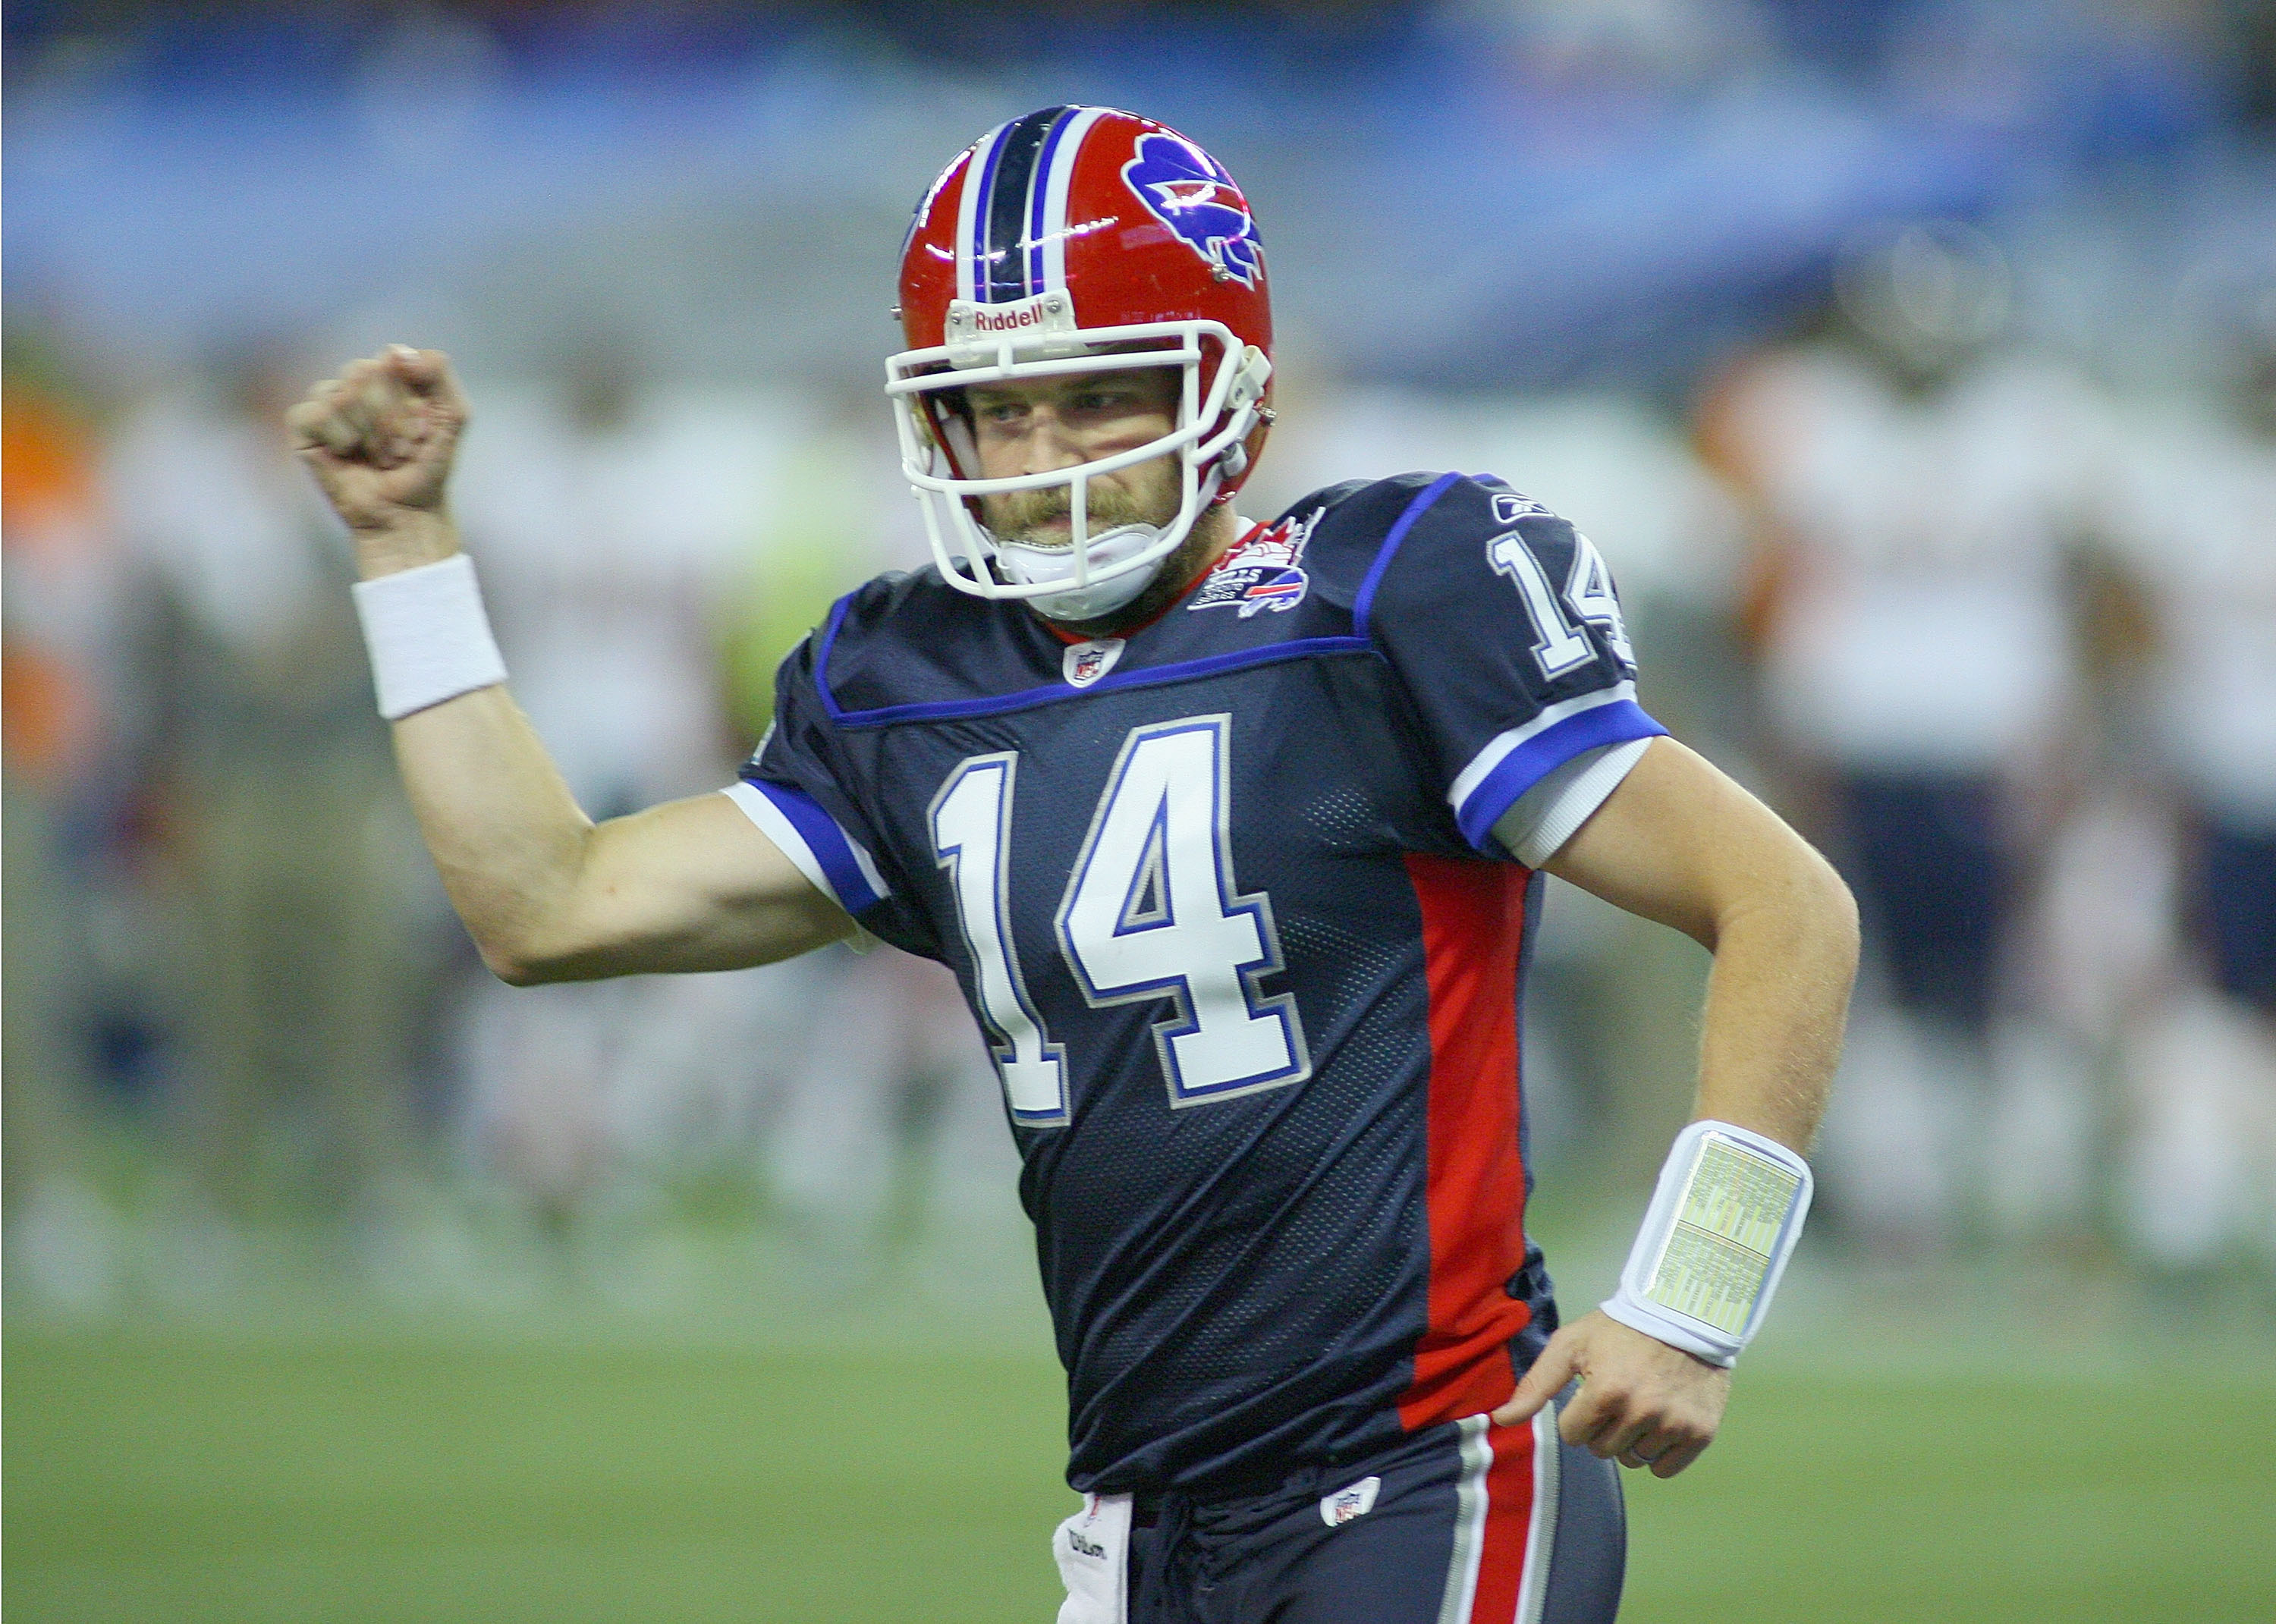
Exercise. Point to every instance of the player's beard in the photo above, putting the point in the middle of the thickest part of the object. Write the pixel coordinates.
(1022, 516)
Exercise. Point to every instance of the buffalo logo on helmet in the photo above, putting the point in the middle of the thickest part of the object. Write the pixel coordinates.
(1265, 573)
(1190, 193)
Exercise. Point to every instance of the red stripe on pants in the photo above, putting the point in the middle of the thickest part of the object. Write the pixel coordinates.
(1509, 1525)
(1473, 928)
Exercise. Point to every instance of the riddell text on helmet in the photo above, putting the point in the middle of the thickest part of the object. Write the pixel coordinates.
(1009, 319)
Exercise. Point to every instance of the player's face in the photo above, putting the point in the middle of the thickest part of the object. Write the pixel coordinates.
(1046, 424)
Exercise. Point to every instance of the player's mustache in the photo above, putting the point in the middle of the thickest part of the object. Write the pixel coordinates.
(1019, 513)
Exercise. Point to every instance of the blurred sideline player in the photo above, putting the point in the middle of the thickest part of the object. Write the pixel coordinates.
(294, 971)
(1229, 831)
(1917, 483)
(2193, 511)
(609, 515)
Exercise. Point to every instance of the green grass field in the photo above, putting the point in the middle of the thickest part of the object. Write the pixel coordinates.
(176, 1475)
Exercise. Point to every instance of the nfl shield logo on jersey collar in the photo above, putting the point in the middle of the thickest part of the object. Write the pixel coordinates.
(1084, 663)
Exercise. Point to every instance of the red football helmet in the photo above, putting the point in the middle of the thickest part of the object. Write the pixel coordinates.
(1078, 239)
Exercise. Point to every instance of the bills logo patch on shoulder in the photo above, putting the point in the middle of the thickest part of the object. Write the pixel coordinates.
(1187, 191)
(1084, 663)
(1265, 571)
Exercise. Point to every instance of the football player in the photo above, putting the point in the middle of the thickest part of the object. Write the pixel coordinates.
(1232, 833)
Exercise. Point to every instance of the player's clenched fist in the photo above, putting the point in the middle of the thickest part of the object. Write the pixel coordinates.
(379, 439)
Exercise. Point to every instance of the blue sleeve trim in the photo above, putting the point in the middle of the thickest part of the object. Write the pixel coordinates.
(1530, 763)
(852, 876)
(1365, 601)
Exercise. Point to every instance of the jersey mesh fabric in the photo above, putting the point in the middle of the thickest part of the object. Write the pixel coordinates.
(1241, 1285)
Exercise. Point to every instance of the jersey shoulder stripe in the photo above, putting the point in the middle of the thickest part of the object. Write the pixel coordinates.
(1513, 761)
(820, 848)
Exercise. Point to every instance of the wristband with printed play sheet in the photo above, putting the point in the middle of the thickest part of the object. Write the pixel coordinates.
(1722, 1222)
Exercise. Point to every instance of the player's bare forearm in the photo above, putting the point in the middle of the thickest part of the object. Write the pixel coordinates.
(546, 894)
(1778, 1001)
(1680, 843)
(507, 837)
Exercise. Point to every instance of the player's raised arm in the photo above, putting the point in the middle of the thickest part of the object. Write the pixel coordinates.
(1679, 842)
(547, 894)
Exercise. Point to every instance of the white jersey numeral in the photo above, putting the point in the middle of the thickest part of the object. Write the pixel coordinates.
(971, 823)
(1589, 588)
(1559, 646)
(1152, 911)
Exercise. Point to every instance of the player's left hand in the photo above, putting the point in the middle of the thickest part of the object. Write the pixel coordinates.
(1642, 1402)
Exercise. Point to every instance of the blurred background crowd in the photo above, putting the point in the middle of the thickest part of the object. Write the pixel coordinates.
(1913, 362)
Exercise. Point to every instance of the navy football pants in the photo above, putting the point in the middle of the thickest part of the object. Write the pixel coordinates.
(1469, 1524)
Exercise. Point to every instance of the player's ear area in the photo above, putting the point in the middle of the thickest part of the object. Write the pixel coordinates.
(945, 425)
(1252, 443)
(956, 403)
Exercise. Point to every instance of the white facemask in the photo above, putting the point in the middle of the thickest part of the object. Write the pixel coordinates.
(1215, 415)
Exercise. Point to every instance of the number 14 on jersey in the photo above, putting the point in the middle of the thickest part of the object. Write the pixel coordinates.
(1558, 645)
(1151, 912)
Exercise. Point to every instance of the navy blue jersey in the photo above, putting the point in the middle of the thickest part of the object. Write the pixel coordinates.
(1225, 898)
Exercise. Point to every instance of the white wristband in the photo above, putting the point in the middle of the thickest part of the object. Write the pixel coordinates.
(1722, 1225)
(429, 638)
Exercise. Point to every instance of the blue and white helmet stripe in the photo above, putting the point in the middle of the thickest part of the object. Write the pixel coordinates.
(1003, 267)
(1051, 215)
(1012, 218)
(983, 167)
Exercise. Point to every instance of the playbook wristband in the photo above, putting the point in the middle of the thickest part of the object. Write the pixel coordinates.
(1722, 1222)
(429, 638)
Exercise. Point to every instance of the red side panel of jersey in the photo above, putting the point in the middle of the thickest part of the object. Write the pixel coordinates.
(1473, 928)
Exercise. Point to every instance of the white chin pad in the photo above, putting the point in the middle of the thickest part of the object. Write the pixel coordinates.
(1030, 566)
